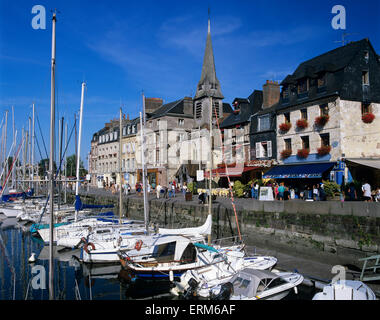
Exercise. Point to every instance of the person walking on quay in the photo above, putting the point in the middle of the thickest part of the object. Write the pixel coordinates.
(315, 193)
(352, 195)
(173, 189)
(184, 189)
(280, 191)
(377, 194)
(366, 191)
(275, 189)
(158, 191)
(252, 191)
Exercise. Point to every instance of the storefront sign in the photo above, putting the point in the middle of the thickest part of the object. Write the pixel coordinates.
(266, 194)
(200, 175)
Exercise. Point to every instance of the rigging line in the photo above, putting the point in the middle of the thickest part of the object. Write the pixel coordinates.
(58, 169)
(228, 176)
(38, 146)
(38, 121)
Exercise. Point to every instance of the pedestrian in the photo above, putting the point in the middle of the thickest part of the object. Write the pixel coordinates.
(257, 190)
(315, 193)
(377, 194)
(366, 188)
(352, 194)
(252, 190)
(173, 189)
(280, 191)
(184, 189)
(322, 193)
(158, 191)
(275, 189)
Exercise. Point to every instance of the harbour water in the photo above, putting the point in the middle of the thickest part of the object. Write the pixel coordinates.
(22, 280)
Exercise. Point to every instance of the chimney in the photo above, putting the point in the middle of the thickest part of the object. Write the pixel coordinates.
(128, 116)
(271, 93)
(188, 107)
(152, 104)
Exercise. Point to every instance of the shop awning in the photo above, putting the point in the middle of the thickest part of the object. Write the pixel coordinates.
(232, 171)
(298, 171)
(373, 163)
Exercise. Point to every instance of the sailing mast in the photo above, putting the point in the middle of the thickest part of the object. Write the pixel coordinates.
(33, 137)
(120, 184)
(51, 161)
(143, 176)
(211, 163)
(79, 143)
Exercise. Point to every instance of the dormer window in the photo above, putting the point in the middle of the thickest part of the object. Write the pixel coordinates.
(321, 81)
(365, 78)
(285, 92)
(366, 55)
(303, 85)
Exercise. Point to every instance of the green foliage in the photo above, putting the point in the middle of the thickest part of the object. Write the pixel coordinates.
(72, 167)
(331, 188)
(238, 188)
(191, 187)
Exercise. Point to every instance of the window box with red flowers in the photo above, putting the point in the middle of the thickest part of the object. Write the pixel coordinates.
(322, 151)
(322, 120)
(368, 117)
(302, 123)
(284, 127)
(286, 153)
(303, 153)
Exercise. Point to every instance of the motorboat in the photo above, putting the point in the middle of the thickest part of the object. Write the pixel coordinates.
(346, 290)
(253, 284)
(214, 275)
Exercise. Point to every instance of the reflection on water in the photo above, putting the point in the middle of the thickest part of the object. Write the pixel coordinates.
(72, 280)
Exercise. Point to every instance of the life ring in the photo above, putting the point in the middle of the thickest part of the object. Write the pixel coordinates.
(87, 245)
(138, 245)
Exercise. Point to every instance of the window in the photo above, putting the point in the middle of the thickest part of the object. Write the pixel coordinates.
(263, 149)
(263, 123)
(324, 109)
(305, 142)
(321, 81)
(365, 78)
(181, 122)
(366, 55)
(287, 116)
(157, 155)
(129, 130)
(288, 144)
(285, 92)
(366, 108)
(215, 109)
(304, 114)
(325, 139)
(198, 110)
(124, 131)
(303, 86)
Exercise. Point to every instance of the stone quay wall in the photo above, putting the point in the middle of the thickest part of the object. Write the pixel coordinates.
(344, 231)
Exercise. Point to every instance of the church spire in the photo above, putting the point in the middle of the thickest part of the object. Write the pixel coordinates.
(209, 84)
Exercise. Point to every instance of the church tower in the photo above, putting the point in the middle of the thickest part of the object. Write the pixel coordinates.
(208, 86)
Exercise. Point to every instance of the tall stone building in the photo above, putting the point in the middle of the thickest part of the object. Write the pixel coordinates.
(328, 117)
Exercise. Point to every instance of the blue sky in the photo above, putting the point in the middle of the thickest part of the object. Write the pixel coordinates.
(123, 47)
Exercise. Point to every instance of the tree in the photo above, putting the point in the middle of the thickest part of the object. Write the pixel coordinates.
(43, 167)
(71, 167)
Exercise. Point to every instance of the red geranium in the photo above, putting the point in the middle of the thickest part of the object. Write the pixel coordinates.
(303, 153)
(322, 120)
(286, 153)
(284, 127)
(302, 123)
(368, 117)
(322, 151)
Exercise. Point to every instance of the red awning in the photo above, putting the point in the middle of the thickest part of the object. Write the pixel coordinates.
(231, 171)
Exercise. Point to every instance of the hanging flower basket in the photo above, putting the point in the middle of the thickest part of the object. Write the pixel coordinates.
(284, 127)
(322, 151)
(302, 123)
(286, 153)
(368, 117)
(303, 153)
(322, 120)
